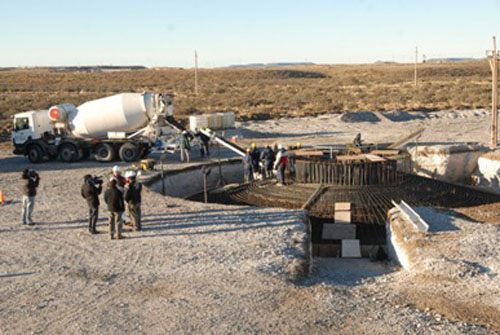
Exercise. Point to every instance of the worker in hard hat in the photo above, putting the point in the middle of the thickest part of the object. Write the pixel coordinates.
(248, 166)
(255, 152)
(132, 197)
(114, 199)
(267, 159)
(120, 180)
(280, 164)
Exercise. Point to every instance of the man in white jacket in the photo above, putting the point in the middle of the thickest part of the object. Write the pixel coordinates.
(280, 164)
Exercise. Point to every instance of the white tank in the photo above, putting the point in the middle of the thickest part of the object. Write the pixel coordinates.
(126, 112)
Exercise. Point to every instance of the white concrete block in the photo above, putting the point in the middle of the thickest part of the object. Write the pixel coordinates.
(350, 248)
(342, 217)
(342, 206)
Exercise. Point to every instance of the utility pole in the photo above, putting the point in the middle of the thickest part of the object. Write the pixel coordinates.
(195, 73)
(493, 60)
(416, 60)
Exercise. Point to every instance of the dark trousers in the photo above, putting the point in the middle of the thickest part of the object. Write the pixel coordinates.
(93, 215)
(267, 170)
(135, 215)
(204, 149)
(280, 174)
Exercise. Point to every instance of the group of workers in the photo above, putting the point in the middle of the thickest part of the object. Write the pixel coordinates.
(125, 192)
(185, 144)
(121, 192)
(265, 163)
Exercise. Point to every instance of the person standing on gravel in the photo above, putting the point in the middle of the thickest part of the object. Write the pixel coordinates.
(91, 189)
(114, 199)
(30, 181)
(132, 196)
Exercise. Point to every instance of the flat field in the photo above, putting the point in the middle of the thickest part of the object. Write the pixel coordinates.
(262, 93)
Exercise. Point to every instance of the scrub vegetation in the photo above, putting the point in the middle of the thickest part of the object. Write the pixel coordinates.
(262, 93)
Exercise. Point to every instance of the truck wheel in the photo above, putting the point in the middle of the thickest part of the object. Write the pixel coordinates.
(105, 152)
(129, 152)
(68, 153)
(35, 154)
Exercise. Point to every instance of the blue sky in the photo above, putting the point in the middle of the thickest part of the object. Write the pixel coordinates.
(166, 33)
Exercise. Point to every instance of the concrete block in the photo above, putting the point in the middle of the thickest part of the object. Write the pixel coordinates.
(338, 231)
(342, 217)
(342, 206)
(351, 248)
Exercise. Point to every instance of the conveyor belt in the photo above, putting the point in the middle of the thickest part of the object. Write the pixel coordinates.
(221, 140)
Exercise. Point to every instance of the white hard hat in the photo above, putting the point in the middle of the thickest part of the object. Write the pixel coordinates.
(116, 168)
(280, 146)
(130, 174)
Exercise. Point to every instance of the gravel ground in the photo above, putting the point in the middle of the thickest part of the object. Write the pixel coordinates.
(199, 268)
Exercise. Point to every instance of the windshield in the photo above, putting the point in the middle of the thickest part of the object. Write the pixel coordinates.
(21, 123)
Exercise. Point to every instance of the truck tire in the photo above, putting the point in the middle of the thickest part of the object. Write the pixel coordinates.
(35, 154)
(104, 152)
(68, 152)
(129, 152)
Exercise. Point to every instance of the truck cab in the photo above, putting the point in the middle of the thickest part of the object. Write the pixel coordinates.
(29, 127)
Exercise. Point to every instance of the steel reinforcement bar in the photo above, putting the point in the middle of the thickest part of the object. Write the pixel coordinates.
(349, 173)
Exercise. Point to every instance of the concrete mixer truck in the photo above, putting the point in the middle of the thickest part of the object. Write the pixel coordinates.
(123, 126)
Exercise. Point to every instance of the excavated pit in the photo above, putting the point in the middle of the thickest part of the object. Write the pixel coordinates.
(318, 186)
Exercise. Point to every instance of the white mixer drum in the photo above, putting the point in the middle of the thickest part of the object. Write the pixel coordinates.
(124, 112)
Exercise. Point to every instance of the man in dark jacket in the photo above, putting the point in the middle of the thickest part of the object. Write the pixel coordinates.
(132, 196)
(204, 144)
(114, 199)
(91, 189)
(30, 181)
(267, 159)
(255, 153)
